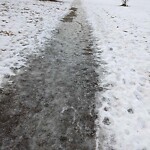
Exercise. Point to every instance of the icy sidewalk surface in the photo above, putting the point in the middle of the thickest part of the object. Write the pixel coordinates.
(24, 26)
(123, 44)
(50, 105)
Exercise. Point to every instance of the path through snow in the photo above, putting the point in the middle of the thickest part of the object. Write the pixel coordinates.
(50, 104)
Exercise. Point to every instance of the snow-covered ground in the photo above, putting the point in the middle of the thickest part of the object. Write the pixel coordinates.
(123, 43)
(24, 27)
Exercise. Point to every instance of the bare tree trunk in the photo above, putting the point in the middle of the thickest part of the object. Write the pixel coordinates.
(124, 3)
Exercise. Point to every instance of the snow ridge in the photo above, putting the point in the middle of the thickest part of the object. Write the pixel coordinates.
(123, 43)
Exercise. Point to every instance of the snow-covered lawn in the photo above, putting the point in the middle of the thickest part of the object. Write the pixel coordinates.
(24, 26)
(123, 43)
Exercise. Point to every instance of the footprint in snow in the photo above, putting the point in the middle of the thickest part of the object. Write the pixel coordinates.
(106, 121)
(130, 110)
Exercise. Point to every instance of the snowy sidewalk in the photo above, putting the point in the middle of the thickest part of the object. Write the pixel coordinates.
(123, 43)
(24, 26)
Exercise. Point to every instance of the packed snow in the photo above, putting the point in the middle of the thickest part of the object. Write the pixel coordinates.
(24, 27)
(123, 52)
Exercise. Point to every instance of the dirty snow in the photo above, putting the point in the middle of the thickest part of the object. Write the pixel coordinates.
(123, 51)
(24, 27)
